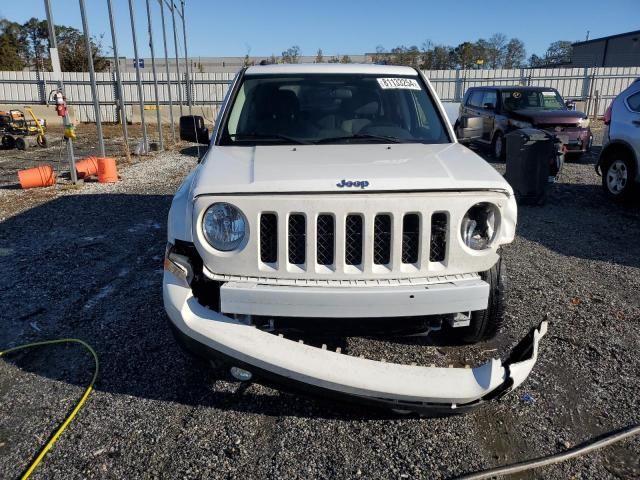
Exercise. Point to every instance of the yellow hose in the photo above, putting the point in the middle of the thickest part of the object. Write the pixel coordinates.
(75, 410)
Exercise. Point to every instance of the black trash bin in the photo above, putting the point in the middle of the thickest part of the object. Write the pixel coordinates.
(532, 162)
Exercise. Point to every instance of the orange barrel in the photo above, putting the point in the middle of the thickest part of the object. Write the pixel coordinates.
(107, 171)
(41, 176)
(87, 167)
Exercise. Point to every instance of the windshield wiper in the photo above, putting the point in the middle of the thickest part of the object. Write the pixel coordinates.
(358, 136)
(272, 137)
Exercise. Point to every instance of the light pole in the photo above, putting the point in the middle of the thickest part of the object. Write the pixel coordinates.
(155, 77)
(166, 64)
(65, 121)
(92, 77)
(139, 80)
(123, 111)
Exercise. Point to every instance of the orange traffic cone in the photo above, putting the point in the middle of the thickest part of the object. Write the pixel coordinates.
(107, 170)
(87, 167)
(41, 176)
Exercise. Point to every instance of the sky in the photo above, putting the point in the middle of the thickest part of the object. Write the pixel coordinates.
(262, 28)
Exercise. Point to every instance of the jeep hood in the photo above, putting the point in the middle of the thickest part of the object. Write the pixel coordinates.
(319, 168)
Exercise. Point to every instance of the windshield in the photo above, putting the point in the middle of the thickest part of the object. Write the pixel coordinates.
(332, 108)
(532, 100)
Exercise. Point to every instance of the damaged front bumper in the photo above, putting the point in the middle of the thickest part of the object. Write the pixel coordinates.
(407, 388)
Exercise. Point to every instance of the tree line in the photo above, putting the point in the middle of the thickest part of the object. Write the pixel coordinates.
(497, 51)
(26, 45)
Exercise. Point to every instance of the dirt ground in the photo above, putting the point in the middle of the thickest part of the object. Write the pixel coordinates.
(87, 262)
(84, 145)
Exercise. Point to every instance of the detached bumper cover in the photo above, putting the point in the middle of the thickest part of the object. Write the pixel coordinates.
(428, 390)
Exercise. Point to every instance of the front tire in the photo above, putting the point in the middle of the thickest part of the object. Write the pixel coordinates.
(618, 174)
(485, 324)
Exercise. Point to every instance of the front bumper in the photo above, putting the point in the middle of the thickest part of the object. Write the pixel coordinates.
(576, 140)
(426, 390)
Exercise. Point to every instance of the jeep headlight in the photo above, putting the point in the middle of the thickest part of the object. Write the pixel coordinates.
(519, 124)
(224, 226)
(479, 226)
(583, 123)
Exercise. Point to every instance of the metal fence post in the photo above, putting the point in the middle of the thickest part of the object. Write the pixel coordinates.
(66, 122)
(176, 51)
(166, 64)
(120, 90)
(155, 77)
(145, 141)
(457, 97)
(92, 78)
(186, 57)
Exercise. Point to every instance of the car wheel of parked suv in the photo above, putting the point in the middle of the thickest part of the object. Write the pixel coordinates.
(618, 173)
(498, 147)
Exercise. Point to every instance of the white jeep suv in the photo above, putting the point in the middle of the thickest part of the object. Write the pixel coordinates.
(337, 196)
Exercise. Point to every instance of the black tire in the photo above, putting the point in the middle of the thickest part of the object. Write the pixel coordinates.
(8, 142)
(617, 165)
(485, 324)
(21, 144)
(499, 142)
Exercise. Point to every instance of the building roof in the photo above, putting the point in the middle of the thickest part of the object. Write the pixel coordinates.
(345, 68)
(635, 32)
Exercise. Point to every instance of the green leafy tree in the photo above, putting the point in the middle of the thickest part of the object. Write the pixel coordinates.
(334, 59)
(465, 56)
(346, 59)
(12, 52)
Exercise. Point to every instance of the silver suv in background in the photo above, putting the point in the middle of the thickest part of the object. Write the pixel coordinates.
(620, 156)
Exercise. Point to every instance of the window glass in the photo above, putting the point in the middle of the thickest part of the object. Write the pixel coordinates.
(634, 102)
(332, 108)
(475, 99)
(521, 99)
(490, 96)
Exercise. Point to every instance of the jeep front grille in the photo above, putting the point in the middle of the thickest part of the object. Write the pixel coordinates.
(380, 242)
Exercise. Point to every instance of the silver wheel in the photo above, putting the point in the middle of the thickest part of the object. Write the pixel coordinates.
(617, 177)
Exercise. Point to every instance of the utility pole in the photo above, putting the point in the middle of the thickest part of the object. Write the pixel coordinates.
(155, 78)
(116, 58)
(92, 78)
(166, 64)
(186, 57)
(175, 47)
(53, 43)
(139, 80)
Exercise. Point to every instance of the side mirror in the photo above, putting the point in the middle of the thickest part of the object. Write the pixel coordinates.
(570, 104)
(192, 129)
(489, 106)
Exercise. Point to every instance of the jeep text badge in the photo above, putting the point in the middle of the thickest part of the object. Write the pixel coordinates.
(352, 183)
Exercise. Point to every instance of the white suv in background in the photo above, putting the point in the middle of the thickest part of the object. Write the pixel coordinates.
(620, 157)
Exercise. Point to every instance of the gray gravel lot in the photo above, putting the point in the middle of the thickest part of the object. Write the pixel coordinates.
(87, 263)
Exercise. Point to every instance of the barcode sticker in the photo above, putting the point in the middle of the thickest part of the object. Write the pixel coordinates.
(403, 83)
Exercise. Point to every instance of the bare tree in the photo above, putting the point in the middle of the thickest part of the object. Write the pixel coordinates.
(346, 59)
(515, 54)
(497, 47)
(291, 55)
(319, 56)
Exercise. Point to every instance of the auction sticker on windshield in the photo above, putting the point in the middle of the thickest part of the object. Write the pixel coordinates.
(406, 83)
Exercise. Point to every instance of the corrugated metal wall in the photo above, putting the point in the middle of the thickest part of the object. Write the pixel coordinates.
(210, 88)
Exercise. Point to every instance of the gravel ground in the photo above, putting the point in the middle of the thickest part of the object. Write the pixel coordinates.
(87, 263)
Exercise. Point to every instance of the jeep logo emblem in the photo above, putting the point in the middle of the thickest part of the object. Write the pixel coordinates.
(352, 183)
